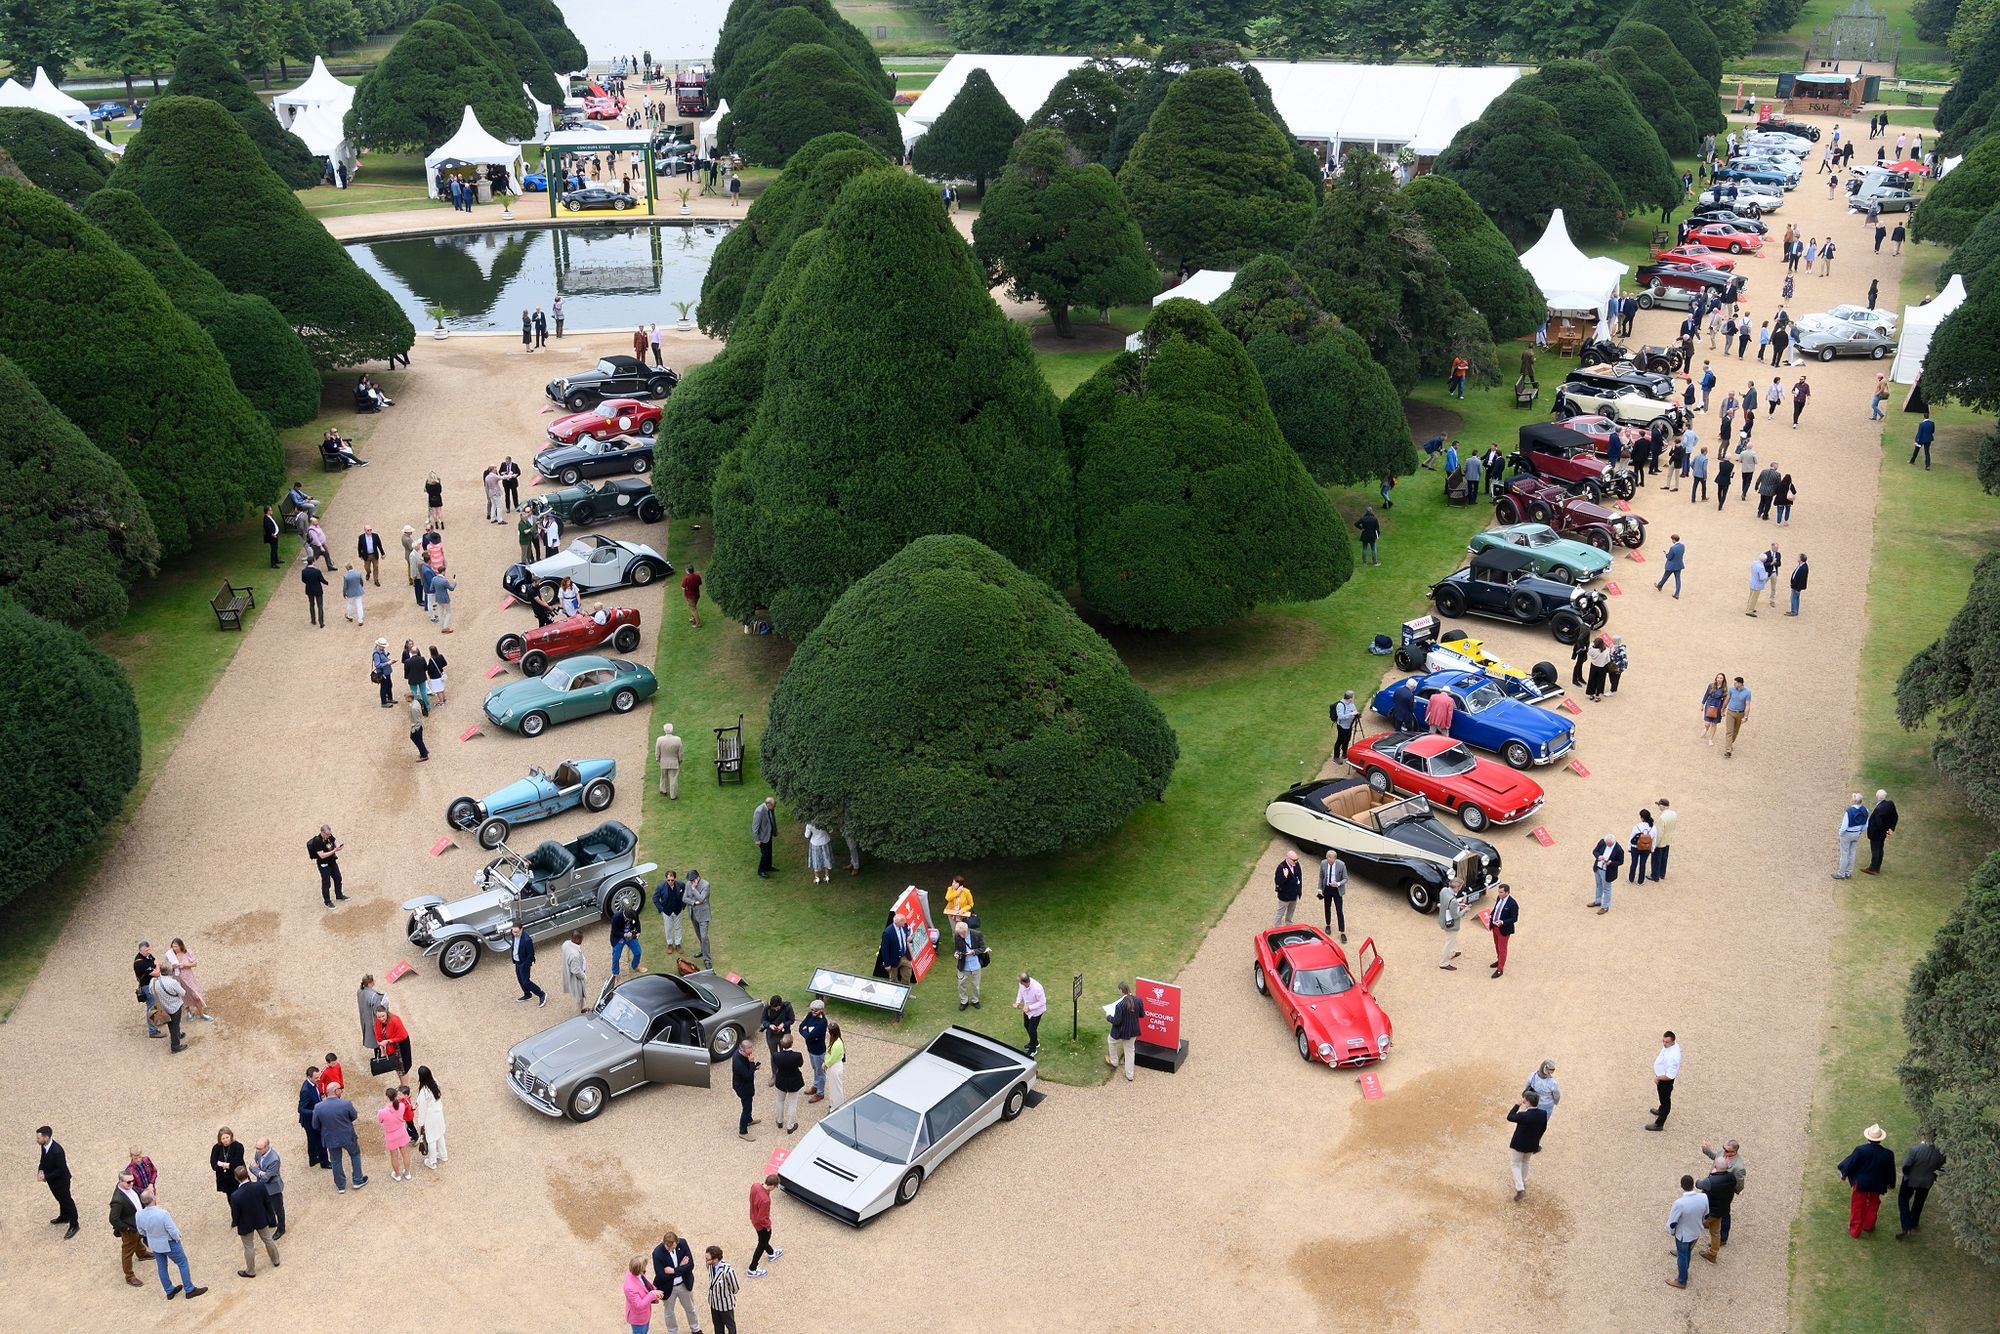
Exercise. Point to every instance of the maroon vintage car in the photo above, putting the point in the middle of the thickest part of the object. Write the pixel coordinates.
(535, 649)
(1570, 460)
(1529, 499)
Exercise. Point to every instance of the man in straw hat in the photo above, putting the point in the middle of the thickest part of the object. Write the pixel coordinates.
(1871, 1171)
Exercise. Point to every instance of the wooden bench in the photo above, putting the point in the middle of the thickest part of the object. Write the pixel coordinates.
(229, 604)
(729, 753)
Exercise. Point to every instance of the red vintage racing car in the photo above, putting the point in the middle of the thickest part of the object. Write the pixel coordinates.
(607, 421)
(1333, 1018)
(535, 649)
(1452, 778)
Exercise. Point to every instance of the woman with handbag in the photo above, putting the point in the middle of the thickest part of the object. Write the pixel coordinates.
(1640, 848)
(430, 1119)
(1711, 706)
(395, 1134)
(367, 1000)
(392, 1044)
(224, 1159)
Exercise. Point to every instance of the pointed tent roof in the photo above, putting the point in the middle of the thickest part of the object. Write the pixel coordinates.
(320, 88)
(13, 94)
(57, 102)
(544, 117)
(471, 143)
(1919, 324)
(1570, 279)
(323, 128)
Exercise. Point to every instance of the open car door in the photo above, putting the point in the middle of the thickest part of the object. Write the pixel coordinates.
(1368, 961)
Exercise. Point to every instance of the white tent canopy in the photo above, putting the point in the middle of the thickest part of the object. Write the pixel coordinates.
(544, 118)
(1382, 107)
(57, 102)
(1920, 323)
(1944, 167)
(13, 94)
(319, 89)
(323, 128)
(1203, 285)
(911, 131)
(705, 135)
(1570, 279)
(472, 144)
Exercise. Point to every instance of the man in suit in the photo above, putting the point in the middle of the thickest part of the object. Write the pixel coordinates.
(271, 531)
(694, 893)
(52, 1169)
(369, 548)
(266, 1168)
(250, 1211)
(1530, 1122)
(1605, 859)
(1881, 824)
(524, 968)
(335, 1118)
(1333, 892)
(1920, 1168)
(764, 829)
(125, 1226)
(309, 1099)
(673, 1275)
(1871, 1171)
(1676, 562)
(743, 1081)
(1290, 883)
(142, 972)
(1504, 913)
(510, 482)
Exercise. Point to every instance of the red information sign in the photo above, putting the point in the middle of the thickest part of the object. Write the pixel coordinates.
(506, 602)
(1571, 706)
(469, 733)
(1576, 767)
(1162, 1024)
(1613, 589)
(913, 910)
(438, 848)
(1622, 506)
(1542, 836)
(495, 670)
(401, 968)
(1371, 1086)
(1639, 556)
(776, 1160)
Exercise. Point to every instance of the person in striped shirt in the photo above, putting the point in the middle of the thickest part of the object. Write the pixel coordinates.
(721, 1293)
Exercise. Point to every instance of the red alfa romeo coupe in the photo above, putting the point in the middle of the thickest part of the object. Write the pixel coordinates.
(1333, 1017)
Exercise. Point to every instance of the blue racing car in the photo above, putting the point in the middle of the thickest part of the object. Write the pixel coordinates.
(1485, 717)
(585, 783)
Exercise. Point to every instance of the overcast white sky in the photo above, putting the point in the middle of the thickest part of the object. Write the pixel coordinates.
(672, 30)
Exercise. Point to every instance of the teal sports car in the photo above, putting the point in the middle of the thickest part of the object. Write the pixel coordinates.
(568, 690)
(1548, 554)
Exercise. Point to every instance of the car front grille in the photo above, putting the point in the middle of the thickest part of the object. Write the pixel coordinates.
(818, 1201)
(531, 1090)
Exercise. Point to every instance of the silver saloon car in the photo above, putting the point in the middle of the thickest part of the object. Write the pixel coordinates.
(654, 1029)
(1825, 338)
(878, 1150)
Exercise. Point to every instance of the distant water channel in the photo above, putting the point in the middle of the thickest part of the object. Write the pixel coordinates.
(610, 275)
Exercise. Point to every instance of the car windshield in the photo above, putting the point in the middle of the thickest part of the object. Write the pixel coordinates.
(1535, 537)
(606, 367)
(1482, 697)
(609, 411)
(1457, 760)
(556, 678)
(875, 1126)
(624, 1016)
(1328, 981)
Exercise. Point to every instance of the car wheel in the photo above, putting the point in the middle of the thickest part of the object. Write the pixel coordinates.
(462, 814)
(493, 833)
(459, 958)
(570, 476)
(649, 427)
(624, 701)
(642, 574)
(907, 1188)
(597, 796)
(1735, 247)
(629, 896)
(1258, 980)
(1450, 601)
(587, 1100)
(622, 204)
(1593, 491)
(1473, 818)
(1566, 626)
(550, 590)
(534, 662)
(1539, 511)
(1634, 536)
(1877, 352)
(1596, 612)
(1408, 661)
(1625, 487)
(1378, 779)
(577, 401)
(1562, 574)
(1304, 1044)
(650, 510)
(534, 724)
(1525, 606)
(1597, 537)
(659, 387)
(1753, 210)
(723, 1045)
(1420, 896)
(1017, 1102)
(508, 647)
(626, 639)
(641, 464)
(1645, 300)
(1507, 510)
(571, 205)
(1826, 354)
(1518, 756)
(581, 515)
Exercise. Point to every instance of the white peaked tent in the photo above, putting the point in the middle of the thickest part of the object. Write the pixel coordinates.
(1920, 323)
(1203, 285)
(319, 89)
(323, 128)
(705, 134)
(1570, 279)
(59, 103)
(545, 120)
(472, 144)
(13, 94)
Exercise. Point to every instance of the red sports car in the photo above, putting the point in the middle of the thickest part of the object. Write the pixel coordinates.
(1694, 254)
(603, 108)
(1722, 236)
(535, 649)
(1441, 769)
(1332, 1016)
(607, 421)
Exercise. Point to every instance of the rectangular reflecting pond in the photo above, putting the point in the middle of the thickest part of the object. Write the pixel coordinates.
(610, 275)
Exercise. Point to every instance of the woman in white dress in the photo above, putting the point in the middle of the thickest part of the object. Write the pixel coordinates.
(575, 971)
(430, 1118)
(836, 1068)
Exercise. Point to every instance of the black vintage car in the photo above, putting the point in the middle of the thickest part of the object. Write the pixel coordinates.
(1611, 375)
(1500, 582)
(1646, 357)
(1796, 128)
(612, 377)
(1706, 213)
(1391, 839)
(597, 196)
(591, 457)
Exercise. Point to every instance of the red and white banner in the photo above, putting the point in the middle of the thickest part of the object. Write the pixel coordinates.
(1162, 1024)
(913, 910)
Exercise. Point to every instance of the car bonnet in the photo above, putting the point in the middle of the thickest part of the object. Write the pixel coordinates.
(583, 1045)
(835, 1172)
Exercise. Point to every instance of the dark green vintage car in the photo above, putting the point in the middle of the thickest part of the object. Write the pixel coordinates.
(597, 502)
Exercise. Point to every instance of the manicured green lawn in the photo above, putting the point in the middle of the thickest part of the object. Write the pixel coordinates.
(1885, 925)
(174, 653)
(1248, 702)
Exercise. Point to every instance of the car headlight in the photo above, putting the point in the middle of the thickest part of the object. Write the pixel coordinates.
(1544, 749)
(1326, 1051)
(1382, 1041)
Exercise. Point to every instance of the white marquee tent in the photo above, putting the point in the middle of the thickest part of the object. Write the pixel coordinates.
(1381, 107)
(1203, 285)
(13, 94)
(705, 133)
(1571, 280)
(59, 103)
(319, 89)
(1919, 324)
(474, 145)
(545, 120)
(323, 128)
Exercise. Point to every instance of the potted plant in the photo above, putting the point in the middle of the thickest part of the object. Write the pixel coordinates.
(684, 192)
(439, 314)
(685, 307)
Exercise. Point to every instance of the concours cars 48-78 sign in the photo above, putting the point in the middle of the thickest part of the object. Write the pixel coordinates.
(1162, 1024)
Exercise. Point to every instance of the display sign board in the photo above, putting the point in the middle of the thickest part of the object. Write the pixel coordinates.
(857, 990)
(913, 909)
(1162, 1024)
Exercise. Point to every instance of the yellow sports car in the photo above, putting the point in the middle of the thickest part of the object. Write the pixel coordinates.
(1428, 647)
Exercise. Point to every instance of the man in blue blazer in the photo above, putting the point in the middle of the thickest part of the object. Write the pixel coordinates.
(524, 968)
(309, 1099)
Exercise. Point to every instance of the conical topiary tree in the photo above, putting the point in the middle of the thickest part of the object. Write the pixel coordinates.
(1058, 232)
(1597, 111)
(1480, 262)
(1977, 258)
(414, 100)
(951, 708)
(531, 64)
(471, 27)
(267, 359)
(52, 154)
(770, 225)
(806, 92)
(971, 140)
(898, 401)
(1953, 206)
(191, 154)
(1084, 106)
(545, 23)
(1685, 30)
(202, 70)
(1336, 407)
(1519, 164)
(76, 531)
(746, 20)
(782, 29)
(1655, 99)
(1190, 508)
(102, 342)
(1211, 181)
(1697, 96)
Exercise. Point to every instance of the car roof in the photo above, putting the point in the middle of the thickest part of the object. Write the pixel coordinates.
(922, 1081)
(1428, 746)
(655, 992)
(1508, 558)
(1314, 793)
(1550, 435)
(1313, 954)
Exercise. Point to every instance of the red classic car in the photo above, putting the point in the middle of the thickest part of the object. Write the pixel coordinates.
(1722, 236)
(1698, 255)
(535, 649)
(1442, 770)
(603, 108)
(1333, 1018)
(607, 421)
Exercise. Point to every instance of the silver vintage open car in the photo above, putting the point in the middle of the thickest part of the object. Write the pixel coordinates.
(550, 891)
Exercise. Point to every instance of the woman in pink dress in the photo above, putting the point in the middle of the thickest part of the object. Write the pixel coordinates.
(181, 964)
(395, 1135)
